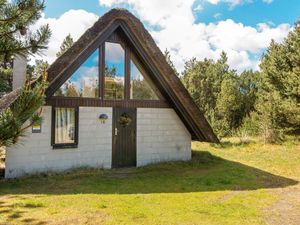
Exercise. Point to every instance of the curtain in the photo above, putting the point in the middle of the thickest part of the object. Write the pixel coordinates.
(64, 125)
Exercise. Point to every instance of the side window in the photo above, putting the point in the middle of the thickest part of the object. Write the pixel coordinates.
(114, 73)
(84, 82)
(65, 127)
(140, 85)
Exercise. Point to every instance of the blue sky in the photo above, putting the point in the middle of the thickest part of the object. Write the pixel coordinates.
(279, 11)
(188, 28)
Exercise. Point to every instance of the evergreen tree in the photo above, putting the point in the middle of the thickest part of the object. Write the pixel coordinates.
(25, 108)
(15, 18)
(225, 97)
(229, 103)
(38, 68)
(5, 81)
(203, 80)
(169, 61)
(279, 94)
(67, 43)
(249, 82)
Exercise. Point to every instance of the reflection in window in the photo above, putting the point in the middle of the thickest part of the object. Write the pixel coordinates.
(84, 82)
(65, 126)
(114, 71)
(139, 84)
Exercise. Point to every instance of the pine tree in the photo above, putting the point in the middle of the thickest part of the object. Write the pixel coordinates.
(279, 93)
(15, 18)
(66, 44)
(15, 39)
(225, 97)
(25, 108)
(203, 80)
(169, 61)
(229, 101)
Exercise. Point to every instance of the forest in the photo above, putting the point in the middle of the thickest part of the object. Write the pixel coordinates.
(263, 103)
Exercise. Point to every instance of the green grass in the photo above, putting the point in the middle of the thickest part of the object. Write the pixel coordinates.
(230, 184)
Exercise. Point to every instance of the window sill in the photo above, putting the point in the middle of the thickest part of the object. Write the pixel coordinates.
(64, 146)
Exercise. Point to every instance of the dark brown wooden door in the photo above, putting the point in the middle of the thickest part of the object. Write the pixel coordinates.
(124, 137)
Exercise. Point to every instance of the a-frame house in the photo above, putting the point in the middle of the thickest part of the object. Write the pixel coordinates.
(112, 101)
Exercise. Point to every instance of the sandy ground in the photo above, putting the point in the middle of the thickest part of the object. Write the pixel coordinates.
(286, 211)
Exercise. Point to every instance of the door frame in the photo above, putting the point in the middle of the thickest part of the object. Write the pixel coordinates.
(114, 137)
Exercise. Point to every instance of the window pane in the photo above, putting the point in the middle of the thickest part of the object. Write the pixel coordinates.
(114, 71)
(139, 84)
(84, 82)
(64, 125)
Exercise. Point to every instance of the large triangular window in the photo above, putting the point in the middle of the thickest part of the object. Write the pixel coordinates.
(141, 88)
(111, 72)
(84, 82)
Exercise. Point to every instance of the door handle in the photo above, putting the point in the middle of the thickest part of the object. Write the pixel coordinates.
(116, 131)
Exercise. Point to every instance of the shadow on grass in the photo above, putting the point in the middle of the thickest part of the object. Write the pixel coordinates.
(205, 172)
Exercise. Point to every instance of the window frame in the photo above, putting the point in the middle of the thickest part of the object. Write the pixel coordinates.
(97, 50)
(102, 52)
(53, 119)
(128, 53)
(127, 73)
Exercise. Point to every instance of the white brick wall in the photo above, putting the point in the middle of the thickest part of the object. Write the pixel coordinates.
(35, 153)
(161, 136)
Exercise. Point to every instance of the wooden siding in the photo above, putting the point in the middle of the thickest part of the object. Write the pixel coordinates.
(94, 102)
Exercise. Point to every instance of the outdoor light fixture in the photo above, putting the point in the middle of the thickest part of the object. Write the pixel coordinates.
(103, 118)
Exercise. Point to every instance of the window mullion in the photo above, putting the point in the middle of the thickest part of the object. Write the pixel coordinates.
(127, 73)
(101, 71)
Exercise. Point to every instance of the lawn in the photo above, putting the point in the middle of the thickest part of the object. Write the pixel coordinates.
(235, 183)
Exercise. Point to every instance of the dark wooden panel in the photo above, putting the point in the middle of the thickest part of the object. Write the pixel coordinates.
(95, 102)
(124, 139)
(102, 71)
(115, 37)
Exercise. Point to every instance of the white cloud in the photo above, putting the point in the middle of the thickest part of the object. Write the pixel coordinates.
(185, 38)
(178, 32)
(236, 36)
(114, 53)
(217, 15)
(268, 1)
(75, 22)
(233, 3)
(157, 12)
(198, 8)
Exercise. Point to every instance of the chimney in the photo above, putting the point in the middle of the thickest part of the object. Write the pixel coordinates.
(19, 71)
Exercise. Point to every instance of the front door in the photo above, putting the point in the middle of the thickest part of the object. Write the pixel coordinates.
(124, 137)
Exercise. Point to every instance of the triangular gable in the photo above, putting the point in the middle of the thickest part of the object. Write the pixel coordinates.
(151, 56)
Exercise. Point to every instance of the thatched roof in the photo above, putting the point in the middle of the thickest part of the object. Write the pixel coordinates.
(181, 100)
(9, 98)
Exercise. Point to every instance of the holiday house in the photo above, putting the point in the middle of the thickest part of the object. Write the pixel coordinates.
(112, 101)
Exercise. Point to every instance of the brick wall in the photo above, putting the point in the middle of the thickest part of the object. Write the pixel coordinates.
(161, 136)
(35, 153)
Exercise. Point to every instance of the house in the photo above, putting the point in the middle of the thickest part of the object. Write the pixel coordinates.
(112, 101)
